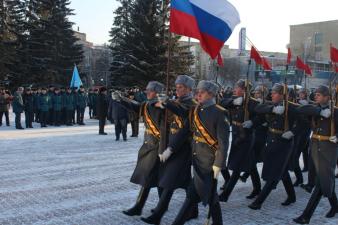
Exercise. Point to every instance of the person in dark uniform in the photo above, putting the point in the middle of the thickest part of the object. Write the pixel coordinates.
(18, 107)
(90, 102)
(280, 117)
(81, 103)
(57, 107)
(69, 106)
(44, 103)
(50, 119)
(28, 100)
(118, 114)
(102, 109)
(148, 162)
(242, 156)
(301, 139)
(175, 173)
(209, 126)
(323, 152)
(63, 109)
(36, 95)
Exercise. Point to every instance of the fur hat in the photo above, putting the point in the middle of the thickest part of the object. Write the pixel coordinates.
(155, 86)
(208, 86)
(186, 81)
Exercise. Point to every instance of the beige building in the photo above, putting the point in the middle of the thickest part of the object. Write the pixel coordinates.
(312, 41)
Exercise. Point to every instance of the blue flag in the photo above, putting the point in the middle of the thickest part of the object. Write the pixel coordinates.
(76, 80)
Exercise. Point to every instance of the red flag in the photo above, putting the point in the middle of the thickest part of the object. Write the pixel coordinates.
(266, 64)
(289, 56)
(302, 66)
(334, 54)
(335, 68)
(256, 56)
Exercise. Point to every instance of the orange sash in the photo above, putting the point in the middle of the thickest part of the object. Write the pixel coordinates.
(209, 139)
(152, 128)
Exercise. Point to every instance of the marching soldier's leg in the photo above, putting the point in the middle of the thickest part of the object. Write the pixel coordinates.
(160, 209)
(310, 207)
(257, 204)
(305, 154)
(216, 214)
(182, 215)
(223, 197)
(226, 175)
(311, 177)
(287, 182)
(334, 206)
(299, 176)
(256, 183)
(136, 210)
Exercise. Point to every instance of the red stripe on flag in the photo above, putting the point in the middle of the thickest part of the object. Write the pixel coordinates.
(334, 54)
(256, 56)
(289, 56)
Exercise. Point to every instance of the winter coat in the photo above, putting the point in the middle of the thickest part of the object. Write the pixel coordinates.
(44, 102)
(102, 106)
(81, 100)
(28, 102)
(57, 102)
(17, 104)
(116, 111)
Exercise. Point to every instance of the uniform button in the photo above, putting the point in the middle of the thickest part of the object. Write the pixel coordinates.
(145, 142)
(194, 153)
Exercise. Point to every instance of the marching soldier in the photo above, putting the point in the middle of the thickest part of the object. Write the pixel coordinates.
(280, 118)
(241, 159)
(323, 151)
(175, 172)
(148, 162)
(210, 130)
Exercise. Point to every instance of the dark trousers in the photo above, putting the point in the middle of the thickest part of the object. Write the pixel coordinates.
(73, 116)
(29, 117)
(43, 118)
(121, 127)
(50, 117)
(6, 116)
(64, 116)
(57, 118)
(90, 112)
(193, 199)
(80, 115)
(18, 120)
(69, 117)
(102, 123)
(270, 185)
(37, 116)
(134, 127)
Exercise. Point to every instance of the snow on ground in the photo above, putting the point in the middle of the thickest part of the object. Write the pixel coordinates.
(71, 175)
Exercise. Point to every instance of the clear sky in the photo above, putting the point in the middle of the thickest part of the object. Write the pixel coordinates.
(267, 21)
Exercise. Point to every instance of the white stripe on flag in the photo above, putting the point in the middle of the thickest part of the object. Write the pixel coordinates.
(221, 9)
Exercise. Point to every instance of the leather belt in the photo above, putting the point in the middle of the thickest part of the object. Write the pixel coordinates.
(199, 139)
(236, 123)
(320, 137)
(275, 131)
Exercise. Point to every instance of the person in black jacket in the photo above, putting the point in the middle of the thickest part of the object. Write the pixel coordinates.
(118, 114)
(28, 100)
(102, 109)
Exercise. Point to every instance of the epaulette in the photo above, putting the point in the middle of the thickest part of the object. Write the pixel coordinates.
(194, 101)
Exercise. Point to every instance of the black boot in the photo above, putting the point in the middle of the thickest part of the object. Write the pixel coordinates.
(160, 209)
(334, 206)
(181, 218)
(290, 190)
(136, 210)
(216, 214)
(193, 212)
(299, 177)
(257, 204)
(256, 183)
(307, 187)
(226, 176)
(310, 207)
(253, 194)
(223, 197)
(244, 177)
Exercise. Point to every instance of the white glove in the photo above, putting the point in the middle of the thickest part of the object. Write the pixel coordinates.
(166, 154)
(216, 171)
(333, 139)
(279, 110)
(326, 113)
(116, 96)
(288, 135)
(247, 124)
(265, 124)
(260, 100)
(238, 101)
(162, 97)
(303, 102)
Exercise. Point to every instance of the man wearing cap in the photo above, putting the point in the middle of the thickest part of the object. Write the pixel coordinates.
(28, 100)
(57, 107)
(44, 103)
(69, 106)
(148, 162)
(323, 152)
(209, 127)
(81, 103)
(175, 170)
(102, 109)
(118, 114)
(18, 107)
(242, 156)
(280, 118)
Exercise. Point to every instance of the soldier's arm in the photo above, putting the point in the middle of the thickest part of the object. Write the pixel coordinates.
(223, 129)
(226, 103)
(132, 106)
(309, 110)
(264, 108)
(177, 109)
(176, 141)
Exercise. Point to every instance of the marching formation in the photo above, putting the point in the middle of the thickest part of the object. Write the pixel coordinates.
(187, 139)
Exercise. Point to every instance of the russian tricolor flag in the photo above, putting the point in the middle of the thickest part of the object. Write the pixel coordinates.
(209, 21)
